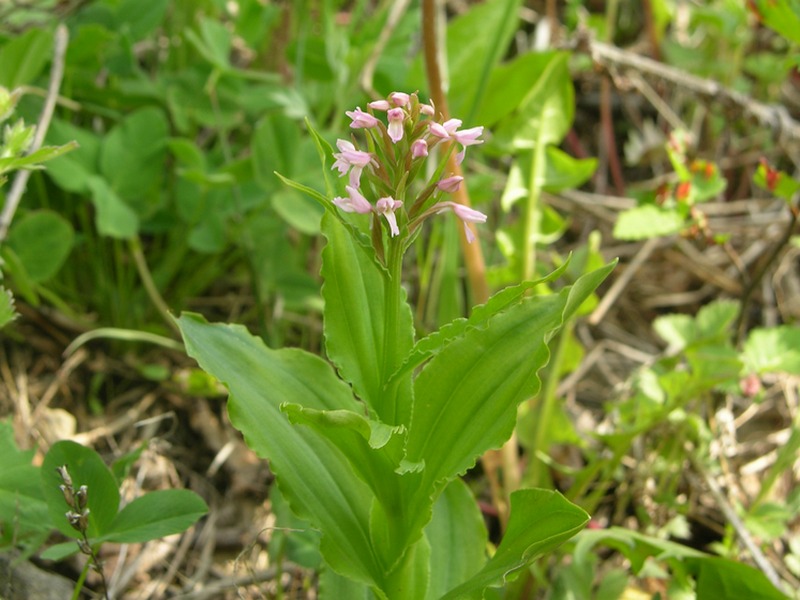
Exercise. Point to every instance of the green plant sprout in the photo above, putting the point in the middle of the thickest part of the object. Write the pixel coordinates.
(75, 493)
(369, 447)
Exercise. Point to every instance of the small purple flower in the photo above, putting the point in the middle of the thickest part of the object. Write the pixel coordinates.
(396, 117)
(468, 137)
(354, 203)
(349, 158)
(399, 98)
(466, 214)
(386, 207)
(419, 148)
(450, 184)
(379, 105)
(427, 109)
(361, 119)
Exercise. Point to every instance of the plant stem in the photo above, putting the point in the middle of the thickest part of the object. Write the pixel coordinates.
(135, 246)
(393, 294)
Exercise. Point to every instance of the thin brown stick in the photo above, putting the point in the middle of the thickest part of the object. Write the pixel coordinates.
(774, 116)
(21, 178)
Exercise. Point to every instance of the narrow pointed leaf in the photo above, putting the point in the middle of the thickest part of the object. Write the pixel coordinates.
(540, 521)
(314, 476)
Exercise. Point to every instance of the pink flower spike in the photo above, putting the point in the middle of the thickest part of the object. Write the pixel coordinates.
(396, 117)
(361, 119)
(399, 98)
(466, 214)
(427, 109)
(386, 207)
(379, 105)
(355, 203)
(468, 137)
(450, 184)
(419, 148)
(445, 130)
(351, 159)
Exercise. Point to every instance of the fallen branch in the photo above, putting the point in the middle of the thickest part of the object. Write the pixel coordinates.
(613, 59)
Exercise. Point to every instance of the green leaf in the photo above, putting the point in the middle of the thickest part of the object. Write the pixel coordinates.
(298, 211)
(23, 58)
(724, 579)
(564, 171)
(433, 343)
(85, 468)
(114, 217)
(470, 63)
(780, 183)
(7, 312)
(133, 154)
(23, 510)
(34, 159)
(155, 515)
(466, 396)
(773, 350)
(647, 221)
(213, 43)
(315, 478)
(42, 240)
(540, 521)
(139, 19)
(275, 141)
(355, 293)
(72, 171)
(292, 537)
(333, 586)
(781, 15)
(457, 536)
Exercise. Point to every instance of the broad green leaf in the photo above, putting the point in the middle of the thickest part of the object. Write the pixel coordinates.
(42, 240)
(315, 478)
(773, 350)
(275, 141)
(433, 343)
(647, 221)
(23, 511)
(333, 586)
(409, 581)
(23, 58)
(546, 112)
(356, 336)
(132, 157)
(679, 331)
(564, 171)
(155, 515)
(723, 579)
(457, 536)
(510, 83)
(715, 318)
(470, 64)
(213, 42)
(139, 19)
(297, 210)
(466, 396)
(85, 468)
(73, 170)
(781, 15)
(113, 217)
(540, 521)
(778, 182)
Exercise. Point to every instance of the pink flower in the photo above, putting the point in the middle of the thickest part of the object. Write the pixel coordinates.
(379, 105)
(468, 137)
(419, 148)
(351, 159)
(354, 203)
(361, 119)
(396, 117)
(450, 184)
(445, 130)
(386, 207)
(466, 214)
(426, 109)
(399, 98)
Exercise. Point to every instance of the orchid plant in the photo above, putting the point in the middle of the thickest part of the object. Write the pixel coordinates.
(369, 445)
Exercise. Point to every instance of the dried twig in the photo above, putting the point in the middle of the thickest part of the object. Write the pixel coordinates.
(21, 178)
(611, 58)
